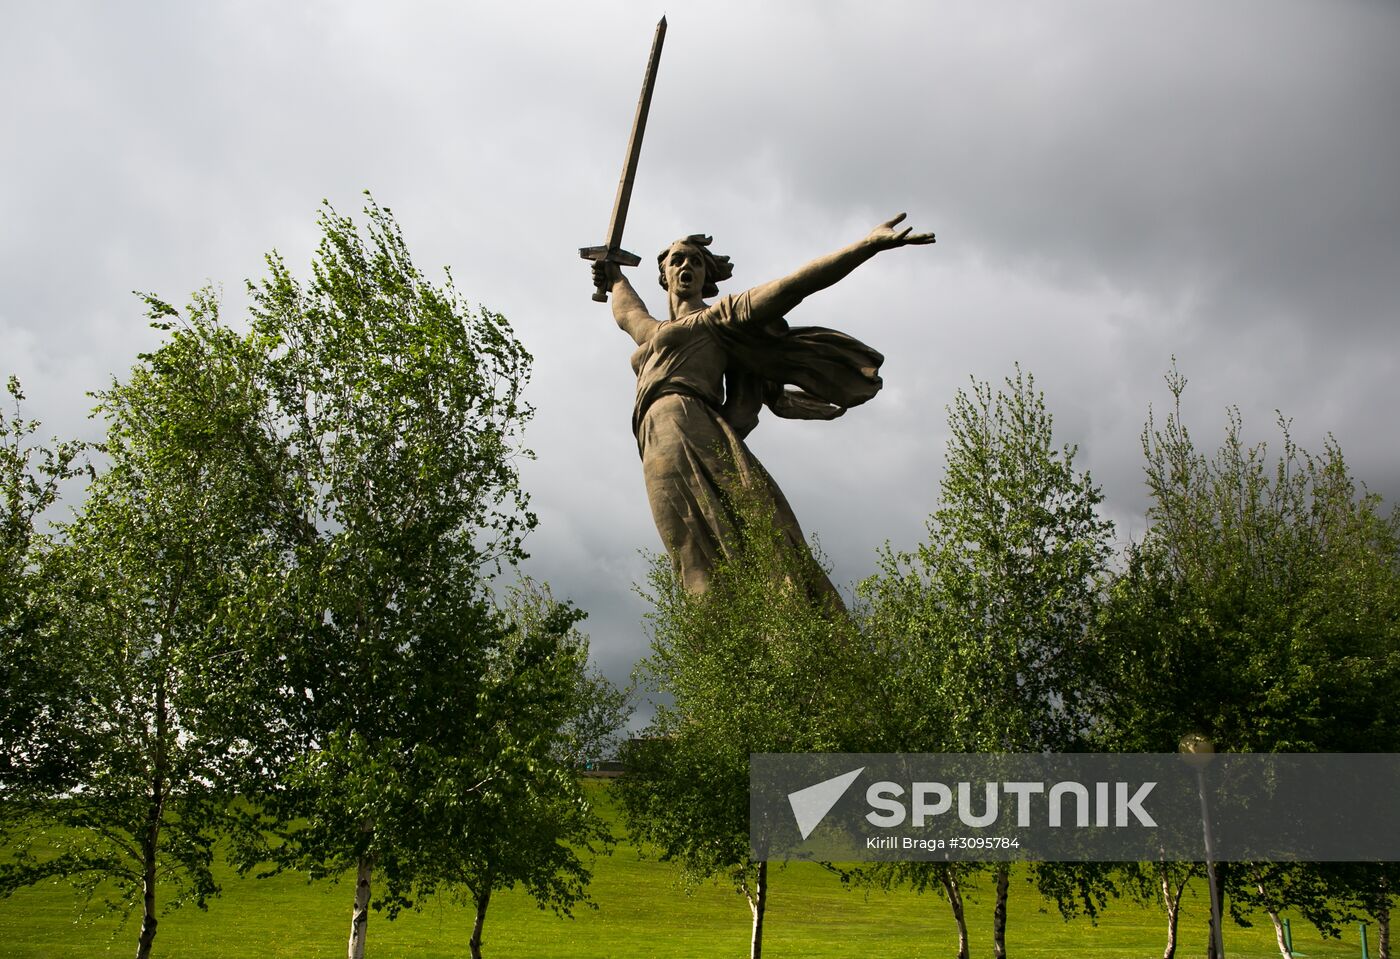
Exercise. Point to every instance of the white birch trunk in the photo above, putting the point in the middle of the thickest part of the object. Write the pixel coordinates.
(758, 904)
(999, 911)
(1171, 899)
(359, 918)
(1279, 935)
(955, 902)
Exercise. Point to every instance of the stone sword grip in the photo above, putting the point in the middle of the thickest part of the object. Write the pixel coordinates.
(605, 254)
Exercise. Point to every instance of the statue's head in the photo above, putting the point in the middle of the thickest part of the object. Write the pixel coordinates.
(713, 269)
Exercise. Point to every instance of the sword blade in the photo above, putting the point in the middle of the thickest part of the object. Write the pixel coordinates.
(634, 143)
(612, 251)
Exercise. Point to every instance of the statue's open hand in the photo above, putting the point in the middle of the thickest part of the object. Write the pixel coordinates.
(886, 236)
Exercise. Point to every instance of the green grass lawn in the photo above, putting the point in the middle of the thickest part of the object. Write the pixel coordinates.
(642, 912)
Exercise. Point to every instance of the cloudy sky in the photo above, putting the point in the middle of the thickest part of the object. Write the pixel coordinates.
(1112, 184)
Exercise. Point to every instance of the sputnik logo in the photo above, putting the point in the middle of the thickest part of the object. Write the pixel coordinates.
(810, 805)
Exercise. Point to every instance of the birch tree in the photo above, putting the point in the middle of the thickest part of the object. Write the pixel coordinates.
(35, 684)
(151, 681)
(1260, 609)
(986, 627)
(396, 411)
(755, 664)
(529, 823)
(279, 584)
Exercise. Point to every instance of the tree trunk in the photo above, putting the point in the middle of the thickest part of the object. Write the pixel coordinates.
(1171, 899)
(999, 911)
(758, 903)
(1279, 937)
(148, 889)
(1382, 918)
(150, 839)
(482, 901)
(359, 918)
(1272, 912)
(954, 894)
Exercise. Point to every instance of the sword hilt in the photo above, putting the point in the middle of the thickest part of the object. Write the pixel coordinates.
(605, 254)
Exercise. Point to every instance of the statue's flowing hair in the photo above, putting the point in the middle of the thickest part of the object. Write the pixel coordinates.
(717, 268)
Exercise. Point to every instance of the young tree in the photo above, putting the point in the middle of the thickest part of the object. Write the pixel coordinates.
(986, 626)
(396, 412)
(1261, 610)
(595, 730)
(757, 663)
(281, 582)
(1156, 883)
(1366, 890)
(169, 530)
(34, 679)
(529, 824)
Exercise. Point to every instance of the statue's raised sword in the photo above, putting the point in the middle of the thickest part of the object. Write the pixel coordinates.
(612, 251)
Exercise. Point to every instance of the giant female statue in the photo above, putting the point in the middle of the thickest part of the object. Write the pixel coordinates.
(704, 372)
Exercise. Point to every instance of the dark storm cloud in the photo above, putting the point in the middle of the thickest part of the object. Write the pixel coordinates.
(1217, 181)
(1244, 148)
(1112, 184)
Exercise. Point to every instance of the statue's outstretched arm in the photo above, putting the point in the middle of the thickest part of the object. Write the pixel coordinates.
(627, 307)
(779, 296)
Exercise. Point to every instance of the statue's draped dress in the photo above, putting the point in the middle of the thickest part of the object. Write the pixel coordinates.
(701, 378)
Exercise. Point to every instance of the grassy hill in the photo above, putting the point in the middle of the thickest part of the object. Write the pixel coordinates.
(641, 911)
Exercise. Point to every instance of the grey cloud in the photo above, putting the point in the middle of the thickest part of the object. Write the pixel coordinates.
(1112, 184)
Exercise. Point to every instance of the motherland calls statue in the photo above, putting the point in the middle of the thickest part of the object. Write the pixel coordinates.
(704, 372)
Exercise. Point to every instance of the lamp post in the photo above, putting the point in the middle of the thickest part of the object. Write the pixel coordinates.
(1197, 750)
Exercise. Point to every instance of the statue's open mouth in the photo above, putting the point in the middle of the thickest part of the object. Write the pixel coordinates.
(686, 277)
